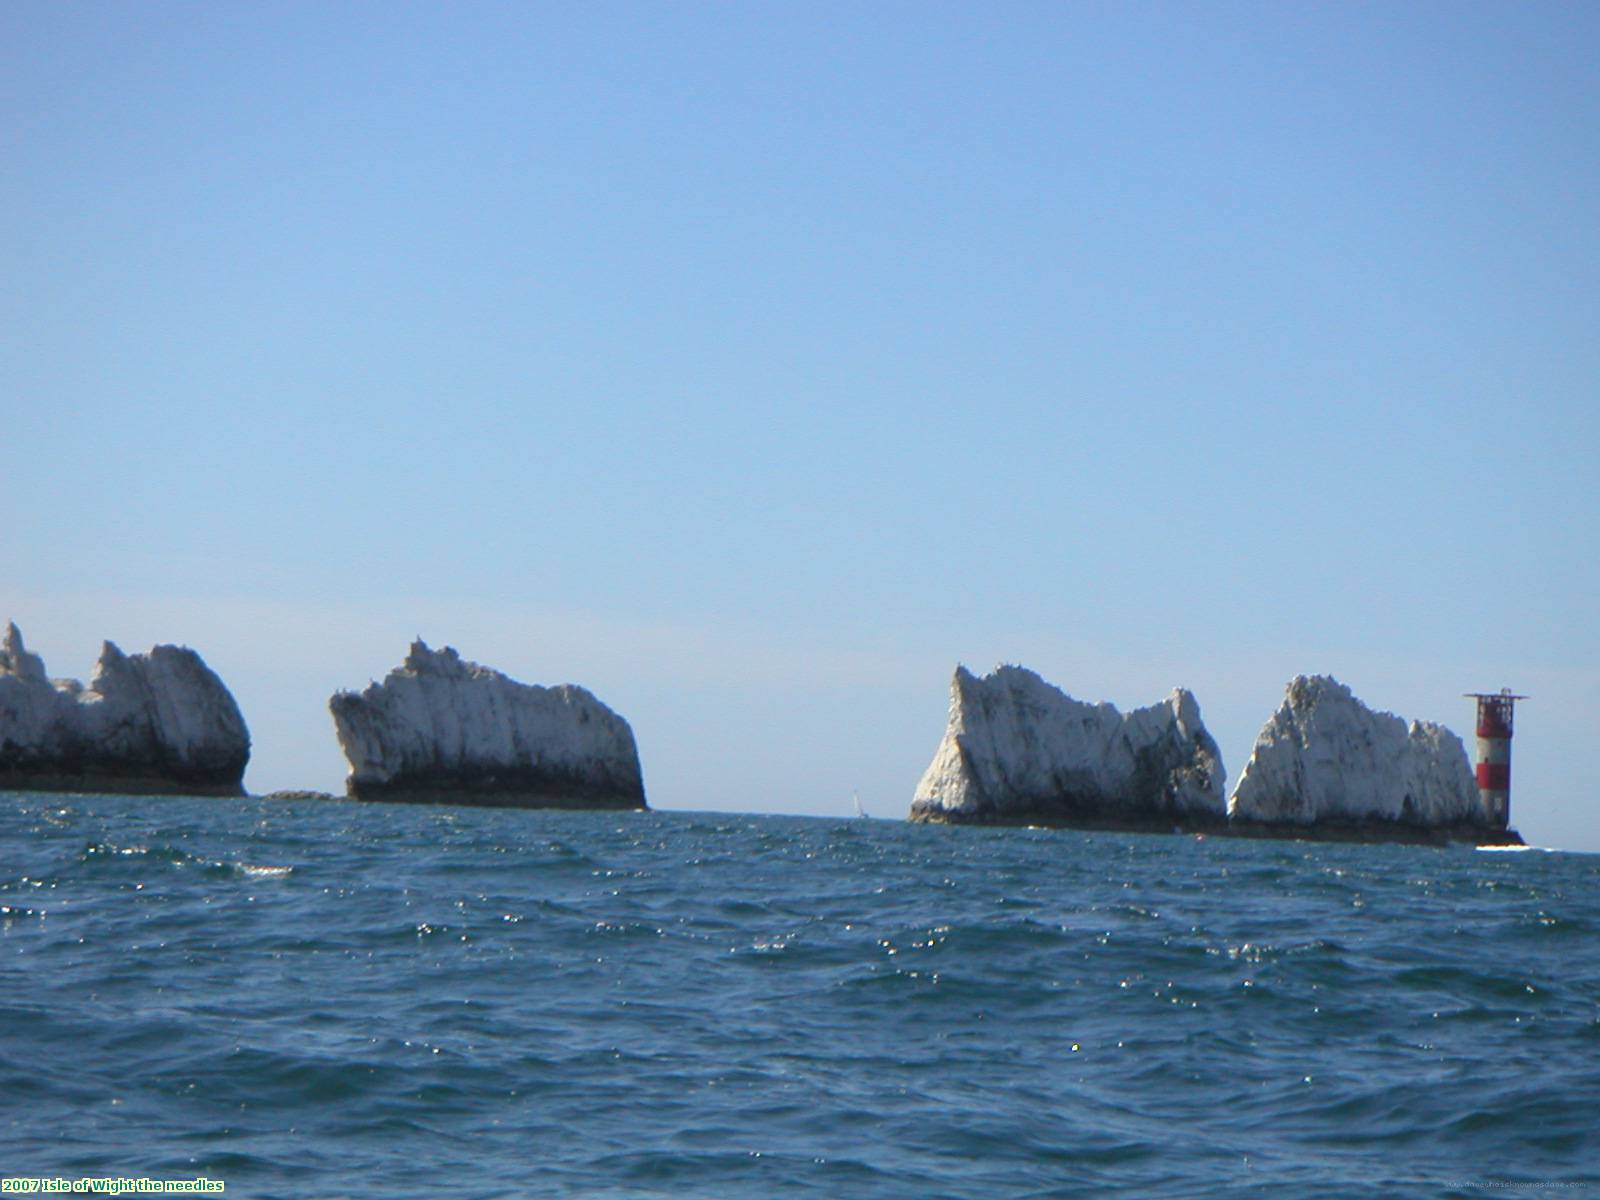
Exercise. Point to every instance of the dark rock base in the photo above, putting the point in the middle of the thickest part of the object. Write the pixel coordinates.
(1460, 833)
(502, 790)
(116, 783)
(1057, 819)
(1372, 832)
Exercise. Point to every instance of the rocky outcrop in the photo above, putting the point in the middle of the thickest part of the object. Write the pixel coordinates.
(1326, 765)
(1017, 750)
(149, 723)
(442, 730)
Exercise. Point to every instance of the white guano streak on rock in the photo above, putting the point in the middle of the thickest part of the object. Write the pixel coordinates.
(437, 713)
(1014, 743)
(1325, 756)
(145, 711)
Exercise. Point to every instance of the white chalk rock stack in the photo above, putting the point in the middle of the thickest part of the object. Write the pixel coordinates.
(1018, 749)
(442, 730)
(156, 722)
(1325, 758)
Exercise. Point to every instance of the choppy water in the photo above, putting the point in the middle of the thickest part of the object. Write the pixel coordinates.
(328, 1000)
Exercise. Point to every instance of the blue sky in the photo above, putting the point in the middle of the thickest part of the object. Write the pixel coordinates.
(755, 364)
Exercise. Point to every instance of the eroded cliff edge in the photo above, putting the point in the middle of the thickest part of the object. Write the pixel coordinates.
(1326, 766)
(161, 722)
(439, 729)
(1017, 750)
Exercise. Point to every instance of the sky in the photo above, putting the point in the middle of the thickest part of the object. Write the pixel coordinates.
(754, 364)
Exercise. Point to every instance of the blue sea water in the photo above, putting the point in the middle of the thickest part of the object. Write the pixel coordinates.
(365, 1000)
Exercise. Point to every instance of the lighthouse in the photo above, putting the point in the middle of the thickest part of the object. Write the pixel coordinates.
(1494, 753)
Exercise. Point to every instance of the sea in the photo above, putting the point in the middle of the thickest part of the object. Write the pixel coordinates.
(338, 999)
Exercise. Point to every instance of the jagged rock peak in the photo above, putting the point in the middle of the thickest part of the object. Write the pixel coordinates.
(440, 728)
(1017, 748)
(15, 658)
(446, 661)
(156, 722)
(1324, 757)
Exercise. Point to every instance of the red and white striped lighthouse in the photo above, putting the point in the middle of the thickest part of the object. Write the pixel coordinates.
(1494, 753)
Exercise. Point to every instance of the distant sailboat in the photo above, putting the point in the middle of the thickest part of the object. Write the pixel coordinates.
(860, 812)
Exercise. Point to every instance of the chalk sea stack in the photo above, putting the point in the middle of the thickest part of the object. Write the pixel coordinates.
(1017, 750)
(151, 723)
(1327, 766)
(441, 730)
